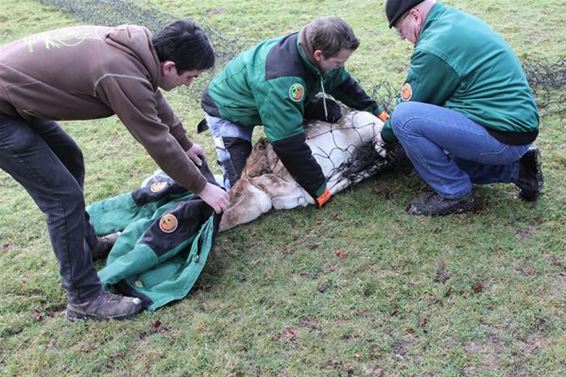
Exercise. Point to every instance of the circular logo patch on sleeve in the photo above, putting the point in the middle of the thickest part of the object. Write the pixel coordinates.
(406, 92)
(157, 186)
(168, 223)
(296, 92)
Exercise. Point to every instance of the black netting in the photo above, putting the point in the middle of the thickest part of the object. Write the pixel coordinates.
(548, 82)
(364, 161)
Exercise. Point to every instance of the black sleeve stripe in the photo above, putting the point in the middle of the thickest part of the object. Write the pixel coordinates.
(297, 157)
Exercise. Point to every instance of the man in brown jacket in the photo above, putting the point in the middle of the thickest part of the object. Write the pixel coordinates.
(89, 72)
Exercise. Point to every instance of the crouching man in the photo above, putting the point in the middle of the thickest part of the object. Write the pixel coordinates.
(275, 85)
(89, 72)
(467, 114)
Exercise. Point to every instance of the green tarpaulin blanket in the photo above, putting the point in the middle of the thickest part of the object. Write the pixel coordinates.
(167, 234)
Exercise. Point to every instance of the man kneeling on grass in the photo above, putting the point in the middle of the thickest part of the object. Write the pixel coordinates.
(89, 72)
(467, 114)
(279, 84)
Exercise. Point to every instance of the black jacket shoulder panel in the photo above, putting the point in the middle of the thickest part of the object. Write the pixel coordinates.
(284, 60)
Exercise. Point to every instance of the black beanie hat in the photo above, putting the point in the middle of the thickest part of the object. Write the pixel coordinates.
(394, 9)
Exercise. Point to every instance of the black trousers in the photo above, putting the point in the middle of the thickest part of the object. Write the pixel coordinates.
(46, 161)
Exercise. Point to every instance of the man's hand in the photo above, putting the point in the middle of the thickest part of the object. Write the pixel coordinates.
(379, 145)
(196, 154)
(215, 197)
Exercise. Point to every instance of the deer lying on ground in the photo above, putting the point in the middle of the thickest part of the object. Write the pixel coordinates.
(266, 185)
(344, 151)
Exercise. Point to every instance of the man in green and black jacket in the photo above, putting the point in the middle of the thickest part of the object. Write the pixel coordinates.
(275, 84)
(466, 113)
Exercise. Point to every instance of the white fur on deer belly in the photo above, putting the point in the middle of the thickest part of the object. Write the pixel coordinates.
(298, 198)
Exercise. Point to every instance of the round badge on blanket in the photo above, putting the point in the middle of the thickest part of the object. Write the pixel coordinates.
(296, 92)
(157, 186)
(168, 223)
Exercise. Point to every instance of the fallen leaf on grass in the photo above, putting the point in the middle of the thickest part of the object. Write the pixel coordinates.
(322, 287)
(527, 271)
(310, 324)
(542, 325)
(478, 287)
(441, 275)
(342, 254)
(289, 334)
(364, 313)
(156, 327)
(377, 372)
(37, 315)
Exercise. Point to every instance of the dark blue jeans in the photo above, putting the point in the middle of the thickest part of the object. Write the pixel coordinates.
(49, 165)
(450, 152)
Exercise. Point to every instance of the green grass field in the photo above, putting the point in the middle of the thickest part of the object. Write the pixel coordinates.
(359, 288)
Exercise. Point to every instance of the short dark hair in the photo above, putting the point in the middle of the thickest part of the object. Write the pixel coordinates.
(331, 35)
(186, 44)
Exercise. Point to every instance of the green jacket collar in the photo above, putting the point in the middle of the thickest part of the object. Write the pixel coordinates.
(432, 16)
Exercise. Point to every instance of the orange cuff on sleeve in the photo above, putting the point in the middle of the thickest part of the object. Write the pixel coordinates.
(383, 116)
(323, 198)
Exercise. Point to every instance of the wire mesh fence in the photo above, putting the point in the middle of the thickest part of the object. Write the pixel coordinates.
(548, 82)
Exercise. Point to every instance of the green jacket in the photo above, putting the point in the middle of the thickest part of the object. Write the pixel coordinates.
(270, 85)
(167, 234)
(460, 63)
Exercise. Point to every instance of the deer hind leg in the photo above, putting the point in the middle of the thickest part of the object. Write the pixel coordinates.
(247, 203)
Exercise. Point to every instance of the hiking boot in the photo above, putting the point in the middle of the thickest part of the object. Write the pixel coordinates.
(104, 307)
(104, 245)
(531, 180)
(435, 205)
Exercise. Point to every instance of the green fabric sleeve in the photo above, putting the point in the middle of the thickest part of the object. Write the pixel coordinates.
(387, 132)
(431, 81)
(114, 214)
(281, 115)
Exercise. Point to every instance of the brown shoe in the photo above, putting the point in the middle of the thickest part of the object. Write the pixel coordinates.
(104, 245)
(104, 307)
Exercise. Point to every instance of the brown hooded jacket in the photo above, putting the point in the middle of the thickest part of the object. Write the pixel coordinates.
(89, 72)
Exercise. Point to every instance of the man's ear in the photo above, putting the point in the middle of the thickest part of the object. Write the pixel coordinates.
(317, 55)
(417, 14)
(168, 67)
